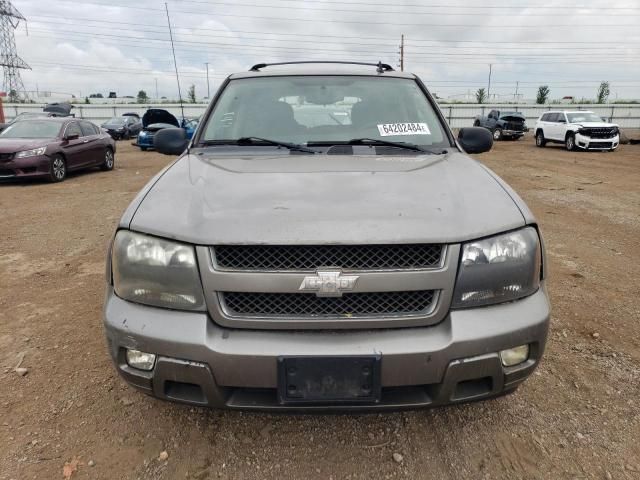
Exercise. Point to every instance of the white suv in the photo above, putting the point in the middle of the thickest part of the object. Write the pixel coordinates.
(577, 129)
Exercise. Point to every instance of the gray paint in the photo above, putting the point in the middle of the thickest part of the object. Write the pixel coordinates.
(208, 199)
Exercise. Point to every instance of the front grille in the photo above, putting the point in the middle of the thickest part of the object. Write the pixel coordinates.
(607, 132)
(515, 126)
(602, 145)
(311, 257)
(309, 305)
(5, 157)
(7, 173)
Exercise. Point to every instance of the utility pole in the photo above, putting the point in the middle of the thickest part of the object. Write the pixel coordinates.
(489, 85)
(208, 91)
(402, 53)
(10, 62)
(157, 97)
(515, 97)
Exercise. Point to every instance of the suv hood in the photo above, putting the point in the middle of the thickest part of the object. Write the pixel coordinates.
(206, 199)
(594, 124)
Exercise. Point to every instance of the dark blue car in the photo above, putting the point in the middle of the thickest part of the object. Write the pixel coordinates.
(156, 119)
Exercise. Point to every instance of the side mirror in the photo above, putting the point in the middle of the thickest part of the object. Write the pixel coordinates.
(73, 136)
(170, 141)
(475, 139)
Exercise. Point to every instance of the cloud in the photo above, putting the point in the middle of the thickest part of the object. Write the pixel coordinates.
(87, 47)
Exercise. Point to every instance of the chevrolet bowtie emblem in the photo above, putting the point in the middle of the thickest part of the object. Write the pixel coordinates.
(329, 283)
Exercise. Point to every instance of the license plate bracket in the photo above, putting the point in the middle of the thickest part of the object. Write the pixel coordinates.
(336, 380)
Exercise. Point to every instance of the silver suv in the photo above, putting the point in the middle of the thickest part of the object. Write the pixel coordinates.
(324, 242)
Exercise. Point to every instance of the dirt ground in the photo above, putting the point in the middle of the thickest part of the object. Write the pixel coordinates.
(577, 417)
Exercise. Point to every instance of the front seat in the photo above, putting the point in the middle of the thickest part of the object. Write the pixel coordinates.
(272, 119)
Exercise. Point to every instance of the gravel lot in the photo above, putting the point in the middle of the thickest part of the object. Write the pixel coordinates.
(577, 417)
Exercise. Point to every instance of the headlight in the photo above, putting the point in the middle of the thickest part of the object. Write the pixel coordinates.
(156, 272)
(498, 269)
(31, 153)
(142, 134)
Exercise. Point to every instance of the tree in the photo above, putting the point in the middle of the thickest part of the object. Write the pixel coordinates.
(543, 94)
(86, 100)
(481, 95)
(603, 92)
(191, 94)
(13, 97)
(142, 97)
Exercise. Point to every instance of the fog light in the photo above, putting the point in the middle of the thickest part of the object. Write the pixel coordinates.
(514, 356)
(141, 360)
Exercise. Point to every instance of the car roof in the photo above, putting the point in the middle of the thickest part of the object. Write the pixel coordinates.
(314, 70)
(569, 111)
(44, 118)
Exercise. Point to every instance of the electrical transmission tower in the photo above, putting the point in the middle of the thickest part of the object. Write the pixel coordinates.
(9, 60)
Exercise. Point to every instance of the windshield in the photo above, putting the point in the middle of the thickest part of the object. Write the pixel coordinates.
(308, 109)
(583, 117)
(32, 129)
(117, 121)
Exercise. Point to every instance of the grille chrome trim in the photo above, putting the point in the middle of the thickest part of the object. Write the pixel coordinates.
(441, 280)
(298, 303)
(309, 258)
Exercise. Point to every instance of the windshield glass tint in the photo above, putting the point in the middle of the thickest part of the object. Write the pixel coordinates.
(583, 117)
(117, 121)
(306, 109)
(31, 129)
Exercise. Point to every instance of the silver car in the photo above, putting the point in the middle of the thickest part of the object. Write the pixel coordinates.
(324, 242)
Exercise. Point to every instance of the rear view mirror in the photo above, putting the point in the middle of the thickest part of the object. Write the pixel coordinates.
(475, 139)
(170, 141)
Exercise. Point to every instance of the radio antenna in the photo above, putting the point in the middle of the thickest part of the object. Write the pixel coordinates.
(175, 64)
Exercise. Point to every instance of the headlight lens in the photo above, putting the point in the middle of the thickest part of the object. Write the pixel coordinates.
(498, 269)
(142, 133)
(31, 153)
(156, 272)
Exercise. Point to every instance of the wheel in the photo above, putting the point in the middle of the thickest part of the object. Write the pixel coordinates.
(109, 160)
(540, 141)
(570, 142)
(57, 169)
(497, 134)
(144, 149)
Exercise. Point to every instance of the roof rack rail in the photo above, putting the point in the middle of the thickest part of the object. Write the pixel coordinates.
(381, 67)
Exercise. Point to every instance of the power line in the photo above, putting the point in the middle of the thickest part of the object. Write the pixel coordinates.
(386, 23)
(324, 36)
(297, 50)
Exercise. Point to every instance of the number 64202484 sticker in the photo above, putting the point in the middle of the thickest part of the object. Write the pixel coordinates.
(390, 129)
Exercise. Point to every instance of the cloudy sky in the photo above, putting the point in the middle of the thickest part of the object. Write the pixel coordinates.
(83, 47)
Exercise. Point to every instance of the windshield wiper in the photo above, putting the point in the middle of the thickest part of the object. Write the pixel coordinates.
(258, 140)
(373, 141)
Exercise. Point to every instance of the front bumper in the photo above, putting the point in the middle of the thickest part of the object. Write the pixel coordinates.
(36, 166)
(587, 143)
(513, 133)
(201, 363)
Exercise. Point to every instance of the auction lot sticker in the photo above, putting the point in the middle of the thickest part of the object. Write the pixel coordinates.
(389, 129)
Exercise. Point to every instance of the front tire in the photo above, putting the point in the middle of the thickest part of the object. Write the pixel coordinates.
(540, 141)
(57, 169)
(570, 142)
(109, 160)
(497, 134)
(144, 149)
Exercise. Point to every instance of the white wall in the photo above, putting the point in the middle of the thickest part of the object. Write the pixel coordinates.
(458, 115)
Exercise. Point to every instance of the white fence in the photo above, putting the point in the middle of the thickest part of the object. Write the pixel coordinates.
(458, 114)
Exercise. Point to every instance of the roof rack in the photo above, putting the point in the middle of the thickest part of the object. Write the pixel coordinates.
(381, 67)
